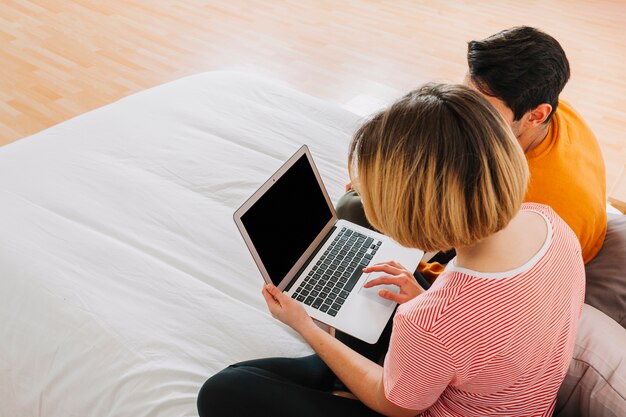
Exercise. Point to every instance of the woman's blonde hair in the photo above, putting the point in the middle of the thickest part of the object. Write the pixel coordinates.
(438, 169)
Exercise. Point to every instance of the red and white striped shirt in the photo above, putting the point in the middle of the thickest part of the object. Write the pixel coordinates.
(479, 344)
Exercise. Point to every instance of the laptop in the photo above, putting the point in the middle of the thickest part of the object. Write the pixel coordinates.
(292, 231)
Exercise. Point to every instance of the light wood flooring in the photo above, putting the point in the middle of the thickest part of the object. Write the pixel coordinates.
(61, 58)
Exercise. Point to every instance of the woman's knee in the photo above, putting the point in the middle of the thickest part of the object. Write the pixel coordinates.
(218, 392)
(349, 207)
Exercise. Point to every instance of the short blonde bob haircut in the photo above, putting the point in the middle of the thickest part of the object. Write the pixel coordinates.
(439, 169)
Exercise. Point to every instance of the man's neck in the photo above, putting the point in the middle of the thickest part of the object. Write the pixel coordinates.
(531, 138)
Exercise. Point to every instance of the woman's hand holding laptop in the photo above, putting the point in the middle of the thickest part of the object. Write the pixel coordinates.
(286, 309)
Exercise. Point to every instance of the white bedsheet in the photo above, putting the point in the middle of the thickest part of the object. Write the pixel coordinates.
(124, 283)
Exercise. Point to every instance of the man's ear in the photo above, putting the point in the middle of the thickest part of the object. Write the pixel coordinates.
(539, 114)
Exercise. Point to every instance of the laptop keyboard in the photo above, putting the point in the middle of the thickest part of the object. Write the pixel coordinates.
(335, 274)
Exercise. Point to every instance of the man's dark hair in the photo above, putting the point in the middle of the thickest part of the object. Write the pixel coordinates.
(521, 66)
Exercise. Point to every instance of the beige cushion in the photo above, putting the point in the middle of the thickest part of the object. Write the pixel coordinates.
(595, 385)
(606, 273)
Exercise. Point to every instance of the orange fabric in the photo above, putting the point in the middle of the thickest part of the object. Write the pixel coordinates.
(430, 271)
(567, 173)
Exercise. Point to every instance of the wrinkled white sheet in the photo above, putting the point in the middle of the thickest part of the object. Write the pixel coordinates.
(124, 283)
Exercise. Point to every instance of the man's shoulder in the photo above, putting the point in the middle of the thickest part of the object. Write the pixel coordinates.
(571, 128)
(566, 114)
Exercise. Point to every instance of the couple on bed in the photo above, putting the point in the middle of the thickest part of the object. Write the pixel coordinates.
(510, 177)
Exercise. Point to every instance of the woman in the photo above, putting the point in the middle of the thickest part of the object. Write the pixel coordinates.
(494, 335)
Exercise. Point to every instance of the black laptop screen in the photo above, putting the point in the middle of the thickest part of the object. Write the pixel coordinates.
(287, 218)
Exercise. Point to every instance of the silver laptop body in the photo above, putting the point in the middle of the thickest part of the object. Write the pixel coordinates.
(292, 231)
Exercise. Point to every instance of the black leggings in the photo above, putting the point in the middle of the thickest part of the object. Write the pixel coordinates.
(286, 387)
(277, 387)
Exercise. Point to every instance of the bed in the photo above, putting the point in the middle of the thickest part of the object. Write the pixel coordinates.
(124, 283)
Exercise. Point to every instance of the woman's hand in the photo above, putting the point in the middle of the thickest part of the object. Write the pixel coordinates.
(286, 309)
(399, 276)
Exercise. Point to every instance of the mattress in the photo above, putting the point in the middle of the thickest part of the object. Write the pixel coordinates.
(124, 283)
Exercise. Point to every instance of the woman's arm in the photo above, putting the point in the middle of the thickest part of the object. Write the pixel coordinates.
(363, 377)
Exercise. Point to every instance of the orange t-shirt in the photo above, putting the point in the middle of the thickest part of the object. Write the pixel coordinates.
(567, 173)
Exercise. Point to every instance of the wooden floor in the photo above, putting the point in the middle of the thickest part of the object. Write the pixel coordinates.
(61, 58)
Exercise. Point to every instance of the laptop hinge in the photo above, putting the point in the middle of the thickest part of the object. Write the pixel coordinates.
(329, 234)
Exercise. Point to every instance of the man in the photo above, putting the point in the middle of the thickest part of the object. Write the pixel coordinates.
(521, 71)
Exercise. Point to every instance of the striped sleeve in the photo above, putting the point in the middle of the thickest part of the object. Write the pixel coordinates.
(418, 367)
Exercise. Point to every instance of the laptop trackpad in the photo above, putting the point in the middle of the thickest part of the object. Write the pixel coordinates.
(372, 293)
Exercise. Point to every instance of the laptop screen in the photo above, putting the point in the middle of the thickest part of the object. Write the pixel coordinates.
(287, 218)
